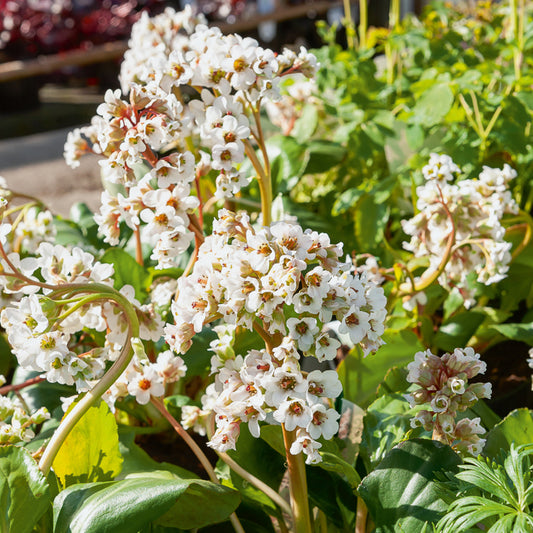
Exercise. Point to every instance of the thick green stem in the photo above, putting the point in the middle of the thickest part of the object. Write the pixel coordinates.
(83, 406)
(363, 22)
(103, 385)
(265, 183)
(297, 485)
(394, 15)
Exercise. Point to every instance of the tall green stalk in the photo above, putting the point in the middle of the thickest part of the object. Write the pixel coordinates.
(92, 397)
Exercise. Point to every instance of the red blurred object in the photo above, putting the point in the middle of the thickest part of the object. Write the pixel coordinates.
(32, 27)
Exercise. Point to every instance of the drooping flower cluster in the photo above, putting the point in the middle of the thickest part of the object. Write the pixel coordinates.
(443, 383)
(231, 75)
(287, 283)
(16, 422)
(465, 215)
(42, 328)
(260, 385)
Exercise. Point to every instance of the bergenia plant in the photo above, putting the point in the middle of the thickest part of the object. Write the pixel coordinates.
(191, 300)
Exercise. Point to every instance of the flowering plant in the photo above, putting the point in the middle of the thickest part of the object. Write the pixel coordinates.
(174, 306)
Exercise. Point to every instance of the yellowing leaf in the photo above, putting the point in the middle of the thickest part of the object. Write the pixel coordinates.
(90, 452)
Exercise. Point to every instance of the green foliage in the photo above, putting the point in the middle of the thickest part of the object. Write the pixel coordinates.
(402, 493)
(360, 376)
(130, 504)
(88, 455)
(387, 422)
(516, 428)
(24, 493)
(497, 497)
(127, 272)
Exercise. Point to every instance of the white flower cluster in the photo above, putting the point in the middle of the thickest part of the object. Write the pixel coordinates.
(152, 40)
(288, 278)
(473, 209)
(15, 422)
(288, 283)
(35, 227)
(443, 383)
(263, 385)
(231, 75)
(42, 331)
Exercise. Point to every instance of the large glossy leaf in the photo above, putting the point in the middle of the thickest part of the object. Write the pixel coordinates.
(401, 494)
(360, 376)
(128, 505)
(24, 494)
(90, 452)
(517, 428)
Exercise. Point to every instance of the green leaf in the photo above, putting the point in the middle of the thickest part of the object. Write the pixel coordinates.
(127, 272)
(24, 493)
(203, 503)
(516, 332)
(306, 124)
(346, 200)
(401, 494)
(457, 330)
(323, 155)
(361, 376)
(516, 427)
(68, 233)
(333, 463)
(198, 357)
(433, 105)
(287, 159)
(386, 423)
(114, 506)
(90, 452)
(415, 136)
(395, 381)
(370, 221)
(258, 458)
(327, 490)
(84, 218)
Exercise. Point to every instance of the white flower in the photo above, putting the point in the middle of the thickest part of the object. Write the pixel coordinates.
(146, 383)
(293, 413)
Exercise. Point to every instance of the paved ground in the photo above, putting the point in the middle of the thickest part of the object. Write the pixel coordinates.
(34, 165)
